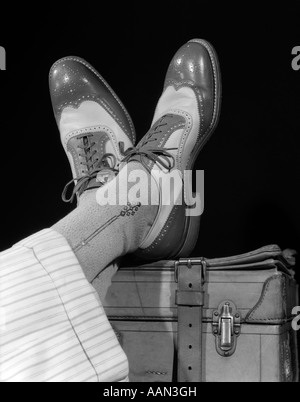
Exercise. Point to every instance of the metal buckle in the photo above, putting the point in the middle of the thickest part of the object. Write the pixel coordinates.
(226, 328)
(190, 263)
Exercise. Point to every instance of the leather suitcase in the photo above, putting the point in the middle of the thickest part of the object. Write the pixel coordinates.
(210, 320)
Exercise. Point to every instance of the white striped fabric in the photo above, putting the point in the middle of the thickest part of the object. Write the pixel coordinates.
(53, 327)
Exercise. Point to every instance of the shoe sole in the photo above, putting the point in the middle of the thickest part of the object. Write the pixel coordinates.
(94, 71)
(192, 224)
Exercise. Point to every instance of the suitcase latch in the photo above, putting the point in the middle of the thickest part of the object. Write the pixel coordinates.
(226, 328)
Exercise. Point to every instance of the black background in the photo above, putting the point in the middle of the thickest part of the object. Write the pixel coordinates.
(251, 163)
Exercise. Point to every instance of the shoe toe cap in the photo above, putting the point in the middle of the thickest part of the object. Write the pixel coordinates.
(192, 64)
(70, 80)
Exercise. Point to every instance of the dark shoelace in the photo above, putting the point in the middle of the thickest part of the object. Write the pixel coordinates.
(157, 156)
(94, 166)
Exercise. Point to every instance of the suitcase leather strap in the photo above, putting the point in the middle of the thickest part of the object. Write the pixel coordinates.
(190, 275)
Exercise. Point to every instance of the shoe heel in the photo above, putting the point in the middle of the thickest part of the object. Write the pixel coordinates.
(191, 238)
(191, 234)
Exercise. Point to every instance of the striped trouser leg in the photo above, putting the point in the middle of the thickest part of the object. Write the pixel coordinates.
(53, 327)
